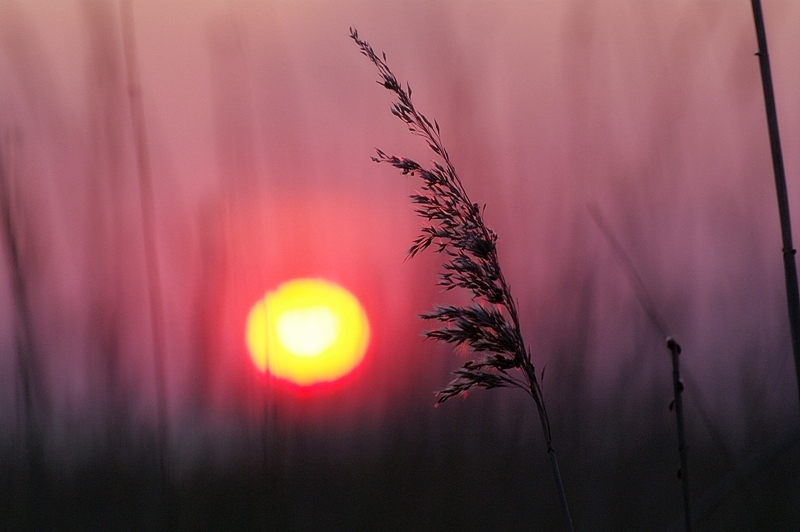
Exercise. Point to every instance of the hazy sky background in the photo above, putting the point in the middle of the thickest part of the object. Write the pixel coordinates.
(261, 119)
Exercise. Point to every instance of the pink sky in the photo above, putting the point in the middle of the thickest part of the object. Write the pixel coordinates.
(262, 117)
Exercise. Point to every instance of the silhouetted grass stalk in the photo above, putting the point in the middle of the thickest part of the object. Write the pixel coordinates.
(789, 266)
(677, 388)
(457, 231)
(674, 348)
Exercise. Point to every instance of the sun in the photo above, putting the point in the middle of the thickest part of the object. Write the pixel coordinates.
(307, 331)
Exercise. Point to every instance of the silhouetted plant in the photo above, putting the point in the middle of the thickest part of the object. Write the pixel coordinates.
(789, 265)
(674, 348)
(490, 324)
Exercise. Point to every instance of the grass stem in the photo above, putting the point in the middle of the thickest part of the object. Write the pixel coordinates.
(677, 387)
(675, 349)
(562, 496)
(790, 268)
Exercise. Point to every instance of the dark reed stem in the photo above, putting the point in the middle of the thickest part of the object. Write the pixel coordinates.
(789, 266)
(150, 253)
(562, 496)
(490, 324)
(647, 304)
(677, 388)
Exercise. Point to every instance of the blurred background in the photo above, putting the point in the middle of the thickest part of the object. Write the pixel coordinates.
(127, 399)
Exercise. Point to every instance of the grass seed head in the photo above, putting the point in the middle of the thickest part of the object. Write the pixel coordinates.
(454, 227)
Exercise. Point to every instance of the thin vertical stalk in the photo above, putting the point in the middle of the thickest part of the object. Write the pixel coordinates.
(790, 268)
(562, 496)
(538, 398)
(148, 230)
(647, 304)
(677, 388)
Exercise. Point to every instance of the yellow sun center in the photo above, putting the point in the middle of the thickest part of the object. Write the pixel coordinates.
(307, 331)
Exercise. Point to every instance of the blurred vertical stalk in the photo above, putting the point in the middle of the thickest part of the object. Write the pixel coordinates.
(148, 227)
(28, 374)
(107, 233)
(24, 360)
(789, 265)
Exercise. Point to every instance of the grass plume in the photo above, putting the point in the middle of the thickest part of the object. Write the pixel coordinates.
(454, 227)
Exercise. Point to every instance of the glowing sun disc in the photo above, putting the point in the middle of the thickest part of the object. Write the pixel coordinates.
(307, 331)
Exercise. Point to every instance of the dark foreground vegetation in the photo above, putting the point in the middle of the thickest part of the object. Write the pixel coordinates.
(465, 472)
